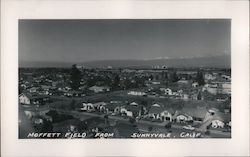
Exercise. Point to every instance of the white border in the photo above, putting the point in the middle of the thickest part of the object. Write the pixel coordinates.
(12, 10)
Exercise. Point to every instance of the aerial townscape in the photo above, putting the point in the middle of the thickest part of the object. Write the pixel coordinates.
(124, 78)
(107, 102)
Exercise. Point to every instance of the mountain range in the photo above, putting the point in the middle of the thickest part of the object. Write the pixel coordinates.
(220, 61)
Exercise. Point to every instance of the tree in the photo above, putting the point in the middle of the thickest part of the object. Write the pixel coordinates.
(75, 77)
(106, 119)
(174, 77)
(199, 96)
(46, 126)
(54, 114)
(151, 77)
(165, 75)
(116, 83)
(200, 78)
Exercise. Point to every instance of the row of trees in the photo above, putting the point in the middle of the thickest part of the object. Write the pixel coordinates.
(135, 82)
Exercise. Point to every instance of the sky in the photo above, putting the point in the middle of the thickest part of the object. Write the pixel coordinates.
(112, 39)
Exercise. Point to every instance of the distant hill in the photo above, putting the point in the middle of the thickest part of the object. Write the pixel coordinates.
(213, 61)
(222, 61)
(44, 64)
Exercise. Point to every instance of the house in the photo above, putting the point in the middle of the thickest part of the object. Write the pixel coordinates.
(183, 82)
(89, 107)
(226, 77)
(28, 99)
(137, 93)
(209, 76)
(217, 124)
(226, 88)
(167, 115)
(113, 108)
(220, 119)
(195, 84)
(155, 111)
(33, 89)
(183, 118)
(46, 87)
(167, 91)
(156, 82)
(190, 114)
(100, 106)
(98, 89)
(133, 110)
(184, 96)
(29, 114)
(74, 93)
(134, 103)
(211, 88)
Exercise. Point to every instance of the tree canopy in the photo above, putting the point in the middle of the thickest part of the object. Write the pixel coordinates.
(75, 77)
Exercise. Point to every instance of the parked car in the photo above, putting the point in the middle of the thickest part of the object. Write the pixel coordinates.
(188, 127)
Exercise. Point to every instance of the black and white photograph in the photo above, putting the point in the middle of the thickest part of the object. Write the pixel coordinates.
(124, 78)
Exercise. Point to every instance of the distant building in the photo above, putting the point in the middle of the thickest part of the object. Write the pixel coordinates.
(33, 89)
(209, 76)
(226, 77)
(183, 82)
(99, 89)
(28, 99)
(137, 93)
(195, 84)
(192, 114)
(211, 88)
(226, 88)
(217, 124)
(167, 91)
(133, 110)
(89, 107)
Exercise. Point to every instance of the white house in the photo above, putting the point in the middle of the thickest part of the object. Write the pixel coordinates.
(226, 77)
(98, 89)
(28, 99)
(155, 111)
(209, 76)
(24, 99)
(156, 82)
(33, 89)
(100, 106)
(29, 114)
(195, 84)
(137, 93)
(211, 88)
(133, 110)
(217, 124)
(185, 96)
(226, 88)
(134, 104)
(182, 118)
(183, 82)
(166, 115)
(167, 91)
(87, 107)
